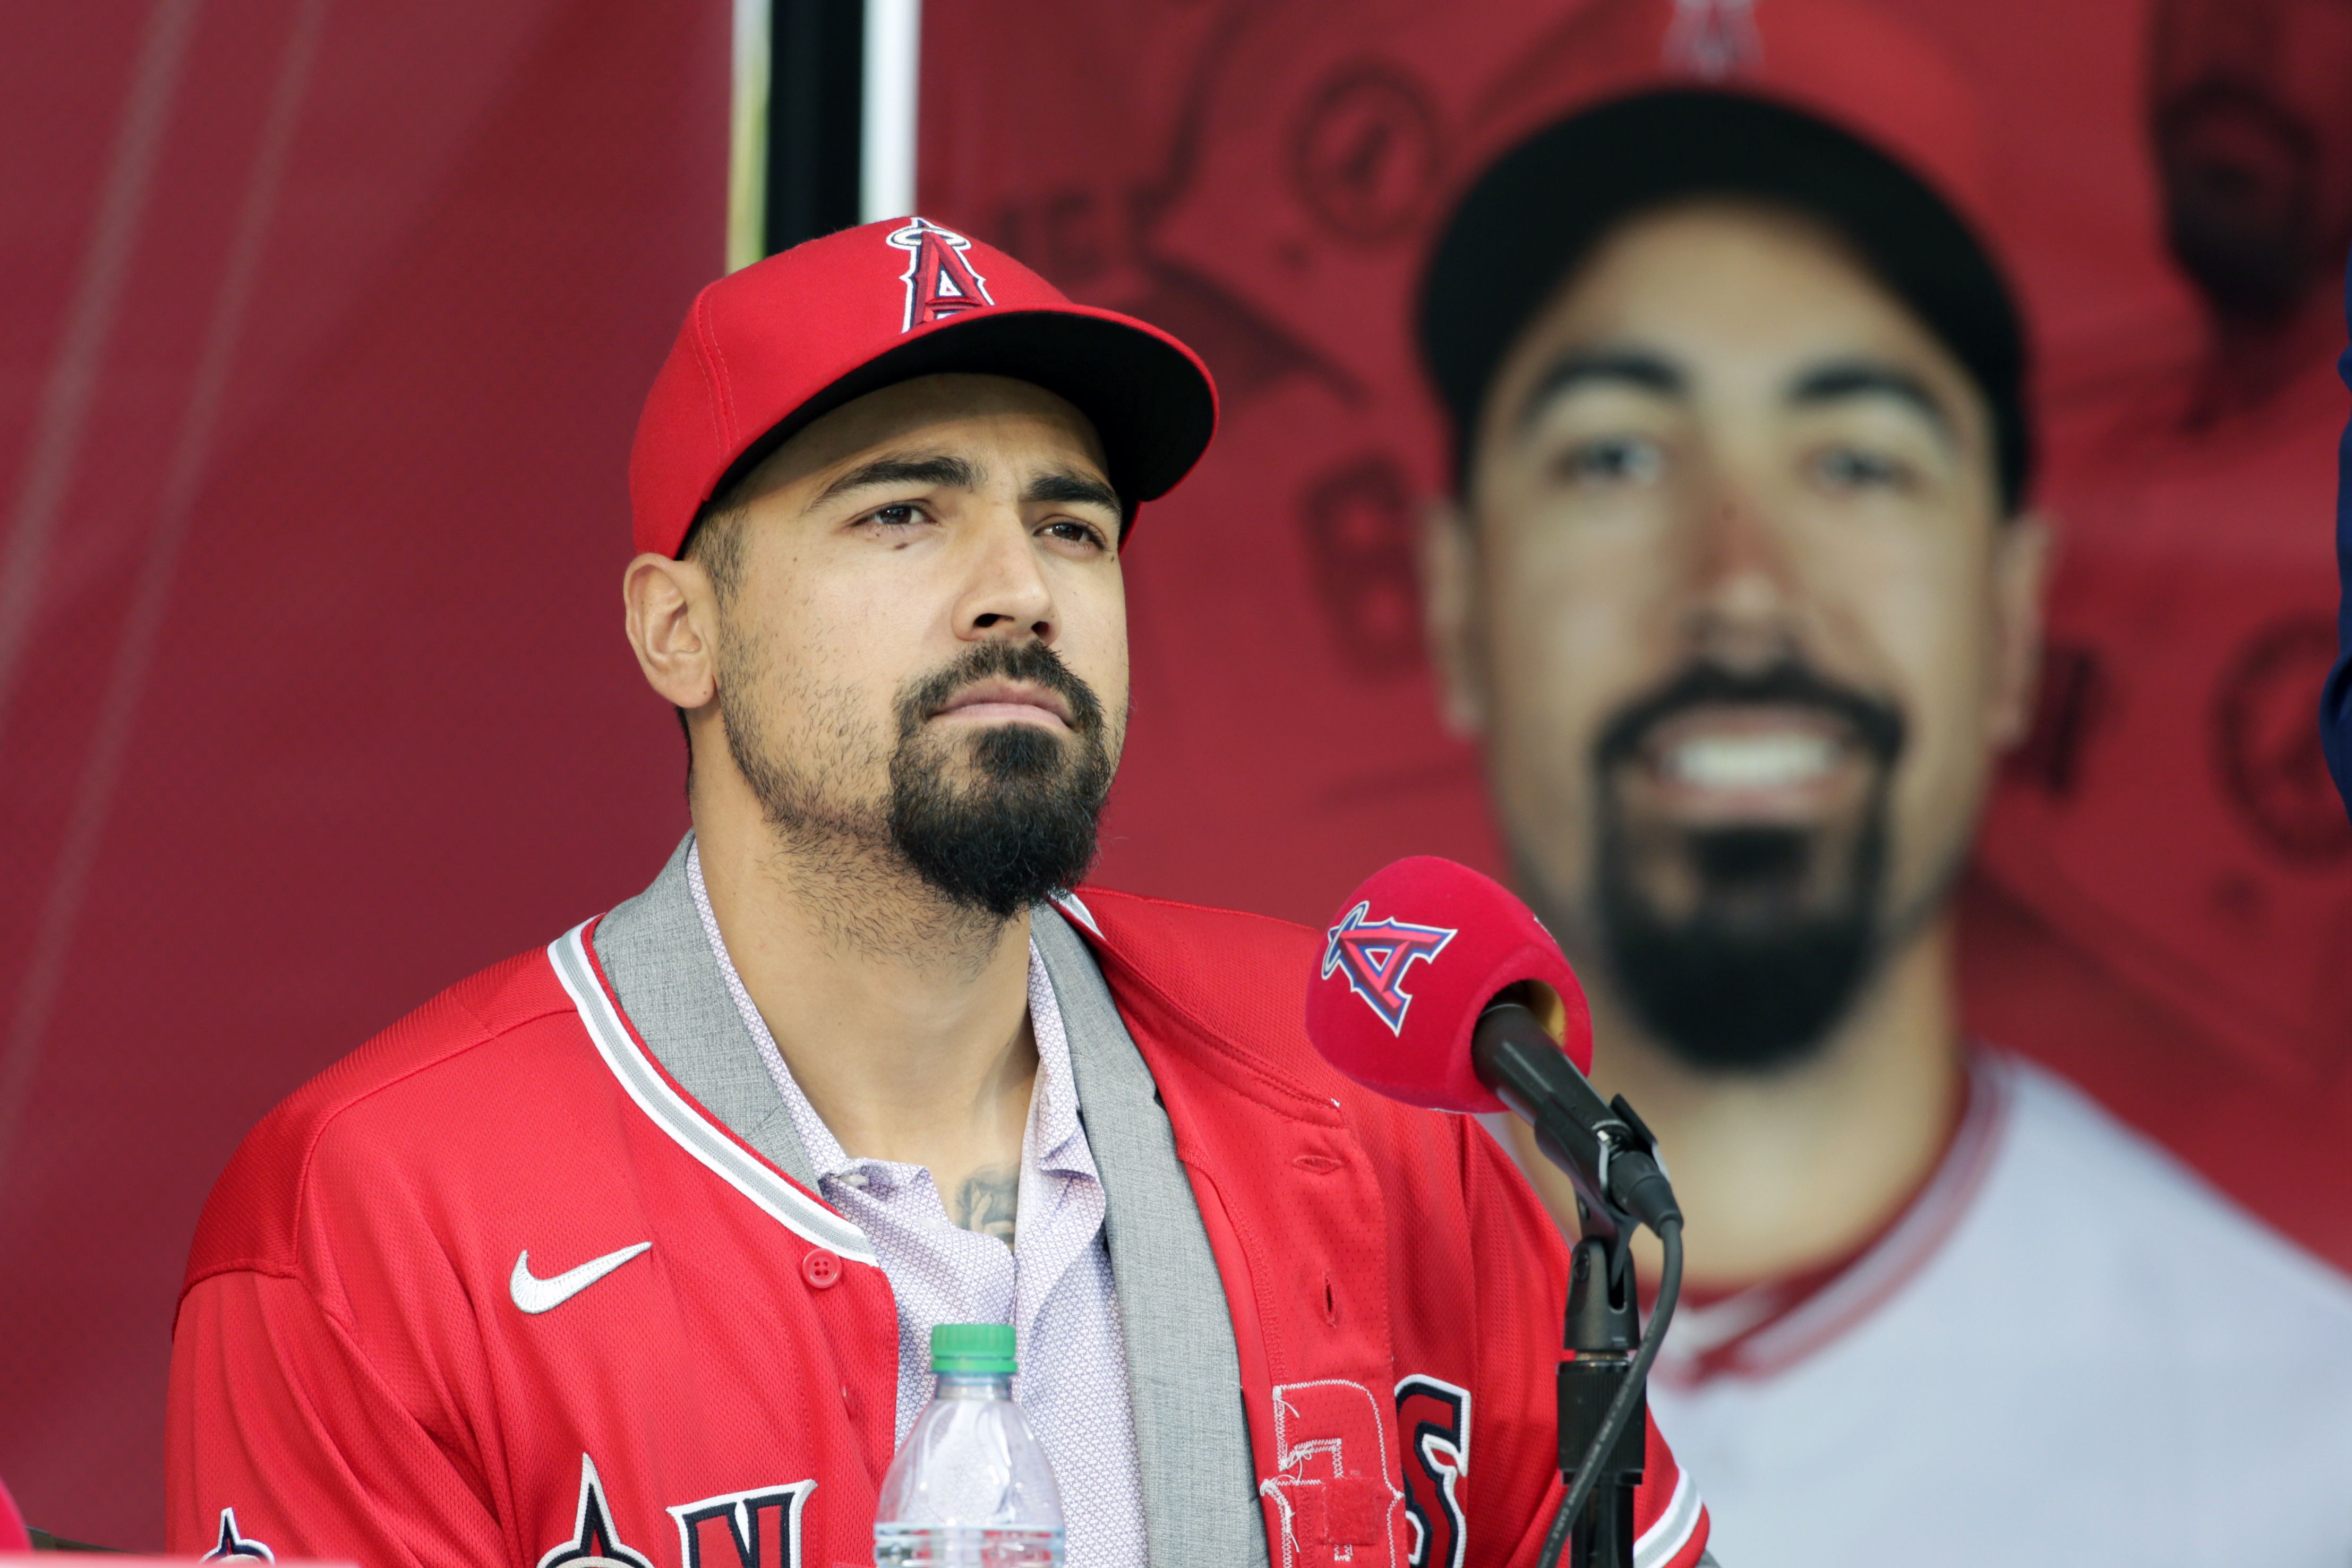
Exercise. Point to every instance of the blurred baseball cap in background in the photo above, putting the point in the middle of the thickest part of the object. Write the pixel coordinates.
(1824, 105)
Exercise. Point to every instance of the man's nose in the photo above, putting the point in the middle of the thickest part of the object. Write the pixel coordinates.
(1742, 609)
(1007, 596)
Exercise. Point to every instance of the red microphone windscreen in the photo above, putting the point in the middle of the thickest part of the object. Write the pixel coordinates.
(1417, 953)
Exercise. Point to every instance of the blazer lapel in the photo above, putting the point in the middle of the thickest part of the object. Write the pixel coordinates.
(661, 967)
(1193, 1443)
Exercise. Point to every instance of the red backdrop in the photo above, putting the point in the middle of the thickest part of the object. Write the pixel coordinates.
(325, 332)
(326, 326)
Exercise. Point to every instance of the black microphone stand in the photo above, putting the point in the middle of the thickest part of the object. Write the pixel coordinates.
(1612, 1159)
(1604, 1330)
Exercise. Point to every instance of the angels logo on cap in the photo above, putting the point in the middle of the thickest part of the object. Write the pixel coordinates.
(1713, 40)
(939, 278)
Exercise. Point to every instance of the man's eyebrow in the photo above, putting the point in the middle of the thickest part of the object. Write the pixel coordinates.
(1638, 367)
(1845, 379)
(941, 470)
(1072, 487)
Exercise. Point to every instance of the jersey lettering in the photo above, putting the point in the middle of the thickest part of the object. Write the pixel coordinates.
(755, 1528)
(1337, 1494)
(594, 1542)
(1435, 1417)
(232, 1544)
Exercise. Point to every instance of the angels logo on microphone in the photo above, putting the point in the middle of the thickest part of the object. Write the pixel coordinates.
(939, 279)
(1375, 954)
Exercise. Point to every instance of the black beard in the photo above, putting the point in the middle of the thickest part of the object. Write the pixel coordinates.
(1743, 991)
(1021, 827)
(1026, 827)
(2250, 252)
(1757, 977)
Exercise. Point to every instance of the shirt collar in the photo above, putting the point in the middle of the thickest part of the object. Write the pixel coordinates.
(1053, 1140)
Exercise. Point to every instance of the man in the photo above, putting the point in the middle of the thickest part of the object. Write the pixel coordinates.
(2191, 632)
(627, 1250)
(2253, 133)
(1738, 592)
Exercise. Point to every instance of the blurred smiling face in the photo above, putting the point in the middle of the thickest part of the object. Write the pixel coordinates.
(1733, 609)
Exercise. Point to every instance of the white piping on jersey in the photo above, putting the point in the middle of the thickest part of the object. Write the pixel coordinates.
(1664, 1540)
(1699, 1331)
(787, 1204)
(1902, 1252)
(1071, 905)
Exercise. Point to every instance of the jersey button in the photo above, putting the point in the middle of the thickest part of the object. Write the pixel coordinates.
(821, 1268)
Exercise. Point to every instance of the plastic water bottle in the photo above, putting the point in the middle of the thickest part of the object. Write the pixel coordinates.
(970, 1488)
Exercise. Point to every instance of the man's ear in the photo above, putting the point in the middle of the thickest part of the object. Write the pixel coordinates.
(673, 623)
(1449, 598)
(2024, 553)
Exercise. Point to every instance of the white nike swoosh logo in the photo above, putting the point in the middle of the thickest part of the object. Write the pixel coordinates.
(533, 1294)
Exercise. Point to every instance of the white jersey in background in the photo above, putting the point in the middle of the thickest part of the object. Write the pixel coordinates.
(2068, 1350)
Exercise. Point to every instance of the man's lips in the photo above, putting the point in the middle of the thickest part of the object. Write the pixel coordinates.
(1000, 701)
(1730, 763)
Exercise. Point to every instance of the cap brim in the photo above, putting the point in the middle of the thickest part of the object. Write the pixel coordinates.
(1150, 401)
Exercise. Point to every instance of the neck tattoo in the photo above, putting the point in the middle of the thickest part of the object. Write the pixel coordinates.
(986, 1200)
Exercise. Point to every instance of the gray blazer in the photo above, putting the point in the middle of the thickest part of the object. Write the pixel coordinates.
(1199, 1485)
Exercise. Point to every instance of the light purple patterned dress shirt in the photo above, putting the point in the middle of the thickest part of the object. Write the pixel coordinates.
(1053, 1285)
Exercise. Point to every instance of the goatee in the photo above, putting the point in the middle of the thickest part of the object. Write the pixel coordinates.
(2240, 212)
(993, 820)
(1788, 921)
(1024, 825)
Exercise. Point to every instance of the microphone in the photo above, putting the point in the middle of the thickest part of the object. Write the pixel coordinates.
(1422, 996)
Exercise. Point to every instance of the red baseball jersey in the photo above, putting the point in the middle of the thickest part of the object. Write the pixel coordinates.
(494, 1290)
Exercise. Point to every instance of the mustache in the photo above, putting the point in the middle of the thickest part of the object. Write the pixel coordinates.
(1031, 661)
(2181, 110)
(1876, 721)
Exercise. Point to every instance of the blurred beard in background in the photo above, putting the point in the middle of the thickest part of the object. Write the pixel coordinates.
(2242, 212)
(1750, 966)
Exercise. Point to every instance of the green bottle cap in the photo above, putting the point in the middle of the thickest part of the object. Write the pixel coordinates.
(972, 1350)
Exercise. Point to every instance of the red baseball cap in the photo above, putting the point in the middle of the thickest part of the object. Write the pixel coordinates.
(767, 351)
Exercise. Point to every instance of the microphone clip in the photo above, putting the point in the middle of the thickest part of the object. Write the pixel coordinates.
(1604, 1146)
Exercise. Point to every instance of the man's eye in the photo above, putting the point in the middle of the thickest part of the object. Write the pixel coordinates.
(1076, 532)
(1853, 468)
(1615, 460)
(901, 515)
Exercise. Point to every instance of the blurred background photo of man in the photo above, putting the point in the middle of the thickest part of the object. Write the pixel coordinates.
(2167, 892)
(2251, 118)
(1740, 595)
